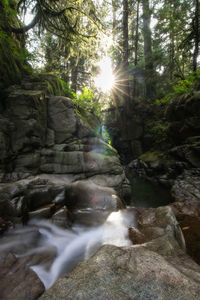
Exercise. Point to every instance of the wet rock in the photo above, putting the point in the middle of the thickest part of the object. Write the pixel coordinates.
(190, 227)
(129, 273)
(186, 187)
(62, 218)
(17, 280)
(186, 191)
(4, 225)
(86, 194)
(155, 267)
(42, 213)
(90, 217)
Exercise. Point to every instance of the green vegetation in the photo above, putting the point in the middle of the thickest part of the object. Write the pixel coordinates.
(156, 64)
(151, 156)
(183, 88)
(13, 56)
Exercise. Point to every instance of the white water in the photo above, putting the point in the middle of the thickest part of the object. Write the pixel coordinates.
(66, 247)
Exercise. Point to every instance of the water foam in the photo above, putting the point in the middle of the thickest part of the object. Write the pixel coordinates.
(67, 246)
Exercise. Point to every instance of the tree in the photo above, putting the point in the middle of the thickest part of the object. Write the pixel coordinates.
(148, 58)
(125, 53)
(196, 29)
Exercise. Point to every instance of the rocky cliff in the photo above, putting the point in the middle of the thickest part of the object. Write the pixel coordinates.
(51, 158)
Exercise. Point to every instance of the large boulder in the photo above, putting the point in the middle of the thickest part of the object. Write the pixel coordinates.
(184, 118)
(134, 273)
(49, 154)
(186, 191)
(17, 280)
(155, 267)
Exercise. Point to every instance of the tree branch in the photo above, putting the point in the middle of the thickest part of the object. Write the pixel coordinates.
(27, 27)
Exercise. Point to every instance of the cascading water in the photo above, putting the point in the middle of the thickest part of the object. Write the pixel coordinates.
(65, 248)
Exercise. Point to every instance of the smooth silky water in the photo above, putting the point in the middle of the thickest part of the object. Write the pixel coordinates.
(59, 250)
(65, 247)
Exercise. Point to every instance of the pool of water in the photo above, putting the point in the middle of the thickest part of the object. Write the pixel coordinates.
(146, 194)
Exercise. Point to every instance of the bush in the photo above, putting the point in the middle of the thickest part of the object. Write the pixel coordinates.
(183, 87)
(84, 101)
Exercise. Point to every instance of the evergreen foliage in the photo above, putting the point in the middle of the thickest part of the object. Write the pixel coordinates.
(13, 56)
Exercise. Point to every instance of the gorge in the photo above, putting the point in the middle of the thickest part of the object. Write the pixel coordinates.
(56, 167)
(99, 150)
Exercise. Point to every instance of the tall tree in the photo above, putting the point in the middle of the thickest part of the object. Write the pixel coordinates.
(148, 59)
(125, 50)
(196, 33)
(136, 44)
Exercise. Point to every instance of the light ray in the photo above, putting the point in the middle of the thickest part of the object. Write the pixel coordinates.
(106, 79)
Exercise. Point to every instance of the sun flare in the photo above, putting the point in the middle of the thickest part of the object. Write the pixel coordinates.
(105, 80)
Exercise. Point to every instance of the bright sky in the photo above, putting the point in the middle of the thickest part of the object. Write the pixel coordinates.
(105, 80)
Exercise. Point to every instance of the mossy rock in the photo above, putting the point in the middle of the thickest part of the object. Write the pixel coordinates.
(152, 156)
(49, 83)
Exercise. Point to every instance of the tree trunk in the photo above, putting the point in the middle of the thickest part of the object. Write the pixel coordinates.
(126, 90)
(196, 26)
(171, 37)
(74, 77)
(135, 92)
(149, 70)
(114, 20)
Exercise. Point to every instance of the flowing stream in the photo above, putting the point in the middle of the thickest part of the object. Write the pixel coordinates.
(62, 248)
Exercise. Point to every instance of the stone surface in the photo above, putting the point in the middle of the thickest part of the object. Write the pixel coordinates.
(134, 273)
(187, 187)
(17, 280)
(43, 137)
(156, 267)
(186, 191)
(62, 218)
(184, 118)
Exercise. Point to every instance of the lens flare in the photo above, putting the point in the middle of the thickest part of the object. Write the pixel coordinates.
(105, 80)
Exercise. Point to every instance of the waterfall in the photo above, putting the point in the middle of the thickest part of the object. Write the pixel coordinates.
(64, 247)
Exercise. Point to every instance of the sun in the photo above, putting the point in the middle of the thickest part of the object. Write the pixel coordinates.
(105, 80)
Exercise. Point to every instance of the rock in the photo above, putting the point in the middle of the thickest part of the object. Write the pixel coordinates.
(136, 147)
(42, 213)
(62, 218)
(128, 129)
(17, 280)
(190, 227)
(186, 191)
(186, 187)
(62, 119)
(184, 118)
(46, 136)
(4, 225)
(133, 273)
(189, 153)
(90, 217)
(154, 268)
(86, 194)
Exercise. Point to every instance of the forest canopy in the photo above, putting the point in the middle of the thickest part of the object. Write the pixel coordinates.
(151, 44)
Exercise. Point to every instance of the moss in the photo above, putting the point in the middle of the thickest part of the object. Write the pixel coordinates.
(12, 55)
(151, 156)
(47, 82)
(91, 120)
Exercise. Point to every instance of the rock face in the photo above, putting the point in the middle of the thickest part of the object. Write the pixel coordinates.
(17, 280)
(51, 158)
(186, 191)
(184, 118)
(127, 129)
(155, 268)
(52, 165)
